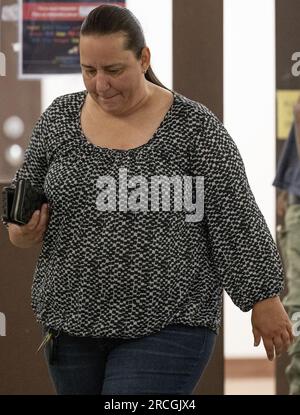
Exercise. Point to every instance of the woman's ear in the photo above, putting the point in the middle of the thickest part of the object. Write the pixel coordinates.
(145, 58)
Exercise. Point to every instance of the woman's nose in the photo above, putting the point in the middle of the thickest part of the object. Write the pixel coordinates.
(102, 83)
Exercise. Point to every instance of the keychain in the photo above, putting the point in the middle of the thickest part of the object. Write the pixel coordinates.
(53, 339)
(48, 337)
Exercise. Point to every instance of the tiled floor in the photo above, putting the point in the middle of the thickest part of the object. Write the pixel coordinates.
(250, 386)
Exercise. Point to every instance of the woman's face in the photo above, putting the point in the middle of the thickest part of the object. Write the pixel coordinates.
(113, 76)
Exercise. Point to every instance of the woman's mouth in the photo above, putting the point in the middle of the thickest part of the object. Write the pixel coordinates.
(108, 98)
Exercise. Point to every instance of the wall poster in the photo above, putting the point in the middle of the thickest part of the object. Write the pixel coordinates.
(49, 36)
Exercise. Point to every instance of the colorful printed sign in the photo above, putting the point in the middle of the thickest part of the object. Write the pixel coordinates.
(49, 35)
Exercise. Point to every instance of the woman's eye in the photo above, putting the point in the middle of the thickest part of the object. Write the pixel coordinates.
(90, 72)
(114, 71)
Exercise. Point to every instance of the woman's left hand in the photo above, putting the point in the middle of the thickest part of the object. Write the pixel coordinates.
(271, 323)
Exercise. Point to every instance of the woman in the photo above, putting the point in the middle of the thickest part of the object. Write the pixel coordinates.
(129, 293)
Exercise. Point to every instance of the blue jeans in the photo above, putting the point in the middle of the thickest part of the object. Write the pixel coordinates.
(170, 361)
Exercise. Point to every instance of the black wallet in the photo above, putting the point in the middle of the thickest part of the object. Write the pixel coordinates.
(20, 201)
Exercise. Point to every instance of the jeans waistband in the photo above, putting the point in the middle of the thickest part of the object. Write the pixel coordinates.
(293, 199)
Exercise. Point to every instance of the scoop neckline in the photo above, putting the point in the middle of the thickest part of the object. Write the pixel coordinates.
(153, 138)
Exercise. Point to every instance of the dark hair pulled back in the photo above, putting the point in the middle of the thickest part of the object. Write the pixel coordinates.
(107, 19)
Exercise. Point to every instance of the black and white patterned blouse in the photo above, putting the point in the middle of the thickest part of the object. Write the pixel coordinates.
(118, 273)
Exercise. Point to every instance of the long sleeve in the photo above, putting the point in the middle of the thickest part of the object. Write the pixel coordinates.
(165, 268)
(34, 165)
(242, 248)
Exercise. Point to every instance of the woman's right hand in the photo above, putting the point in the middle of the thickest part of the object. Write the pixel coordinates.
(31, 234)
